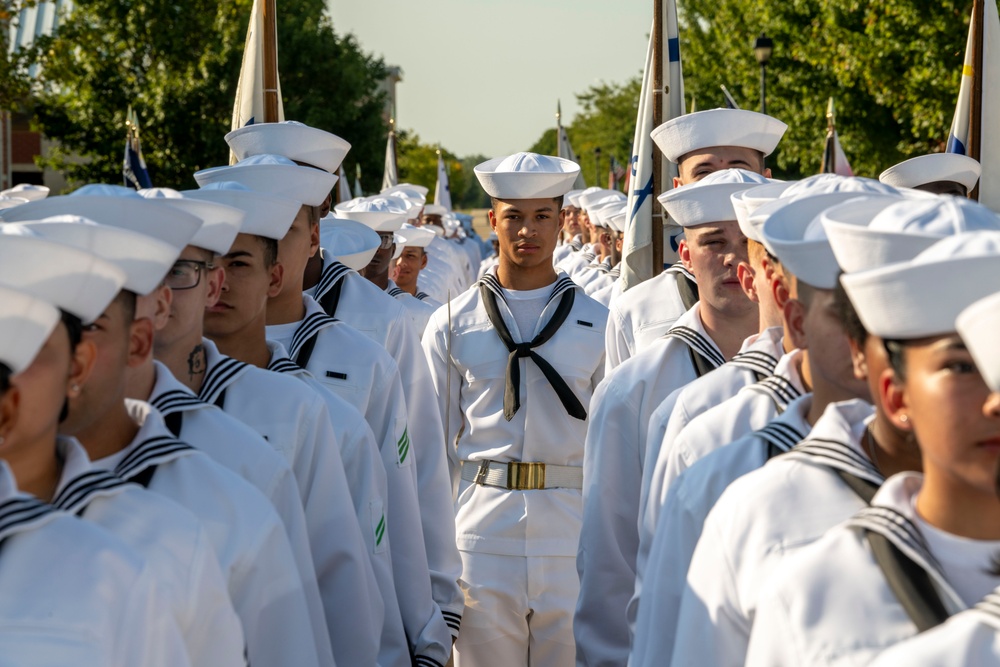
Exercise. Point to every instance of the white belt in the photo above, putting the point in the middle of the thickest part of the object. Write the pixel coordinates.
(519, 476)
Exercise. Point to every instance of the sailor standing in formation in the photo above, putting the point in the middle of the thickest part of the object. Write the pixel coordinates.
(219, 404)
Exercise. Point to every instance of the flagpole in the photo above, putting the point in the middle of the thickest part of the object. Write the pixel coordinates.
(976, 108)
(657, 216)
(270, 62)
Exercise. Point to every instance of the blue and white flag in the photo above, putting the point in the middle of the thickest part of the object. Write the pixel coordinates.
(988, 151)
(134, 171)
(637, 259)
(249, 106)
(343, 186)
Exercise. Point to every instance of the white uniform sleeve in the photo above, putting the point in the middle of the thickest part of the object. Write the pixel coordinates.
(619, 342)
(213, 635)
(351, 600)
(435, 344)
(773, 641)
(145, 634)
(609, 538)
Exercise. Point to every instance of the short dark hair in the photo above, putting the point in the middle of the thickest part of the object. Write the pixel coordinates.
(804, 292)
(314, 215)
(848, 315)
(127, 299)
(558, 200)
(5, 374)
(270, 248)
(895, 349)
(74, 327)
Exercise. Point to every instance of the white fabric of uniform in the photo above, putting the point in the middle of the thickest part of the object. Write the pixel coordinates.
(105, 610)
(174, 545)
(968, 639)
(294, 420)
(758, 522)
(749, 409)
(361, 371)
(642, 314)
(612, 475)
(264, 583)
(418, 310)
(607, 294)
(487, 264)
(689, 500)
(367, 309)
(366, 480)
(832, 605)
(240, 449)
(536, 531)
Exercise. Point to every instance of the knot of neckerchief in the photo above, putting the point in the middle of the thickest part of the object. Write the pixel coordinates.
(512, 388)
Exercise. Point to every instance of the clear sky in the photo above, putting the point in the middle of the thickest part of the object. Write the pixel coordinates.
(483, 76)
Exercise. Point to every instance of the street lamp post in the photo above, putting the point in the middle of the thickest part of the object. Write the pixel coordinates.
(597, 166)
(763, 46)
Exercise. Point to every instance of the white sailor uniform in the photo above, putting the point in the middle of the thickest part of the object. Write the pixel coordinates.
(689, 500)
(613, 469)
(418, 310)
(488, 264)
(173, 544)
(605, 294)
(561, 252)
(758, 522)
(74, 594)
(645, 312)
(517, 545)
(367, 309)
(832, 603)
(249, 540)
(294, 420)
(968, 639)
(369, 490)
(362, 372)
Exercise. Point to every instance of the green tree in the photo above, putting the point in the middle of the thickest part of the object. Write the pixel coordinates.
(177, 64)
(418, 165)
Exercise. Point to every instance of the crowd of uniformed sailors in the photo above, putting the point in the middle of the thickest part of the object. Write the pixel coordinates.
(241, 425)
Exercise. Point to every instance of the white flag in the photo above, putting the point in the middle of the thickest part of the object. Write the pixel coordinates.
(637, 260)
(249, 106)
(442, 190)
(989, 143)
(390, 177)
(343, 185)
(564, 149)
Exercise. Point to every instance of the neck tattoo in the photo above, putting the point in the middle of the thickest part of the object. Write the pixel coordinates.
(197, 361)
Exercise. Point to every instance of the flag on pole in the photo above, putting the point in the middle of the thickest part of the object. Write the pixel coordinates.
(730, 102)
(563, 147)
(834, 159)
(343, 187)
(615, 173)
(984, 28)
(442, 190)
(134, 170)
(390, 176)
(637, 256)
(358, 192)
(249, 106)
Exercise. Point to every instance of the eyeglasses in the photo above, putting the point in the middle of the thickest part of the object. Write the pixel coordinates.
(387, 240)
(185, 274)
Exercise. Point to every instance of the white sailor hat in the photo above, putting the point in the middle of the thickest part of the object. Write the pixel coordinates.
(924, 296)
(291, 139)
(267, 215)
(600, 213)
(708, 200)
(76, 281)
(413, 207)
(616, 219)
(978, 325)
(434, 209)
(576, 196)
(600, 198)
(926, 169)
(11, 202)
(274, 175)
(104, 190)
(884, 229)
(26, 191)
(747, 202)
(718, 127)
(409, 235)
(527, 176)
(407, 191)
(569, 199)
(794, 235)
(126, 211)
(383, 214)
(351, 242)
(220, 222)
(25, 325)
(144, 260)
(822, 184)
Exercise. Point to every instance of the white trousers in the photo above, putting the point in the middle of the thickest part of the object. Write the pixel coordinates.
(518, 611)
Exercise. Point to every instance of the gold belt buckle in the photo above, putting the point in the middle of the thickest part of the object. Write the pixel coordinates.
(525, 476)
(484, 467)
